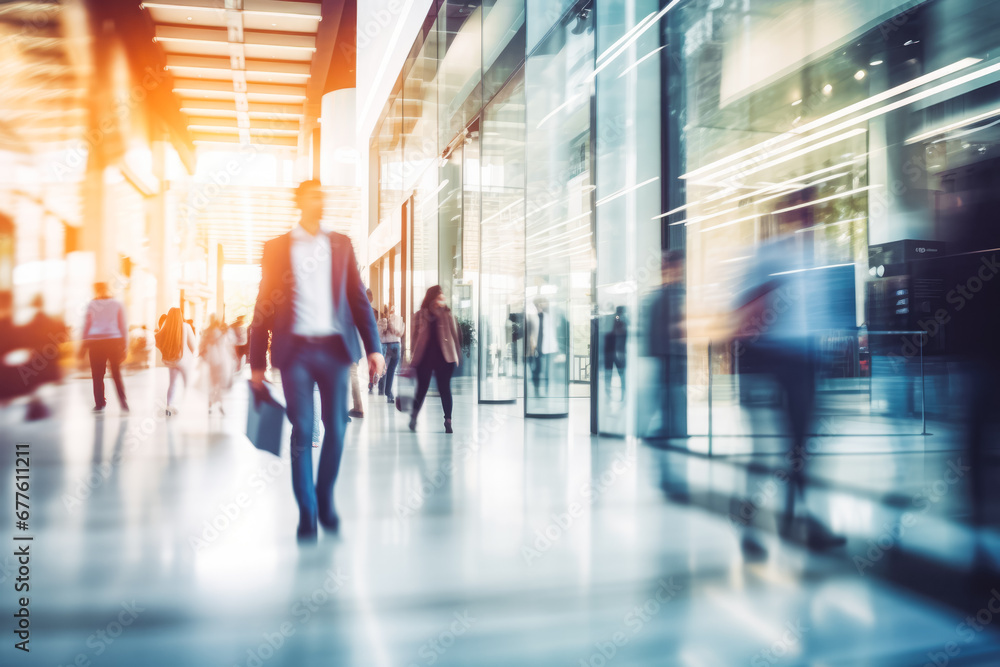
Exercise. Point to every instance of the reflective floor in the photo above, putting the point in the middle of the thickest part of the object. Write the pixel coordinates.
(171, 542)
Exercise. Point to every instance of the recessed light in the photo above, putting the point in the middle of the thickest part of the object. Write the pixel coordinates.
(190, 19)
(796, 103)
(860, 74)
(875, 63)
(910, 42)
(827, 89)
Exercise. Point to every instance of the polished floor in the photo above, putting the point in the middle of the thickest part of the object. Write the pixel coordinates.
(171, 542)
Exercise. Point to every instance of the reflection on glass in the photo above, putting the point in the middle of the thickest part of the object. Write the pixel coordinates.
(465, 289)
(502, 324)
(627, 90)
(460, 90)
(559, 256)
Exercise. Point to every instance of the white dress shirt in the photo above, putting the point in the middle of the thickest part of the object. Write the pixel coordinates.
(312, 300)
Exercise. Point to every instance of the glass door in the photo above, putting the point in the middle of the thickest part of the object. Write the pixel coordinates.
(501, 320)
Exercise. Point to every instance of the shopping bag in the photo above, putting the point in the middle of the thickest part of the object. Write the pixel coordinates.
(406, 389)
(265, 418)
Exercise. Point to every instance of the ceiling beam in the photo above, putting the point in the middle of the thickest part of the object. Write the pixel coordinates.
(166, 33)
(222, 63)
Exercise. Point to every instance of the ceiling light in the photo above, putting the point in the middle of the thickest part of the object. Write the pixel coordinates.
(875, 63)
(860, 74)
(190, 18)
(796, 103)
(827, 89)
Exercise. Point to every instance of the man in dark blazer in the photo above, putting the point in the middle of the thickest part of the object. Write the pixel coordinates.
(312, 303)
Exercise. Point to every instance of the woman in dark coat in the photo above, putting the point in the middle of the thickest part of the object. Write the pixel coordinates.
(437, 349)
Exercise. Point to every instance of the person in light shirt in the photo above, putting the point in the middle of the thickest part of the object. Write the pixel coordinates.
(312, 304)
(105, 335)
(390, 331)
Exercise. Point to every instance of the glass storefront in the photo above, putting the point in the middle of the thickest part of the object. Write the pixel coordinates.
(840, 130)
(593, 183)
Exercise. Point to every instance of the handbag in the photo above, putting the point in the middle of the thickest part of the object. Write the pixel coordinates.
(406, 389)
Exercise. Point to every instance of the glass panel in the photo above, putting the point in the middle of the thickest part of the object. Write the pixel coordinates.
(558, 225)
(847, 179)
(420, 112)
(449, 216)
(390, 152)
(544, 14)
(460, 90)
(421, 169)
(465, 289)
(501, 329)
(503, 42)
(628, 241)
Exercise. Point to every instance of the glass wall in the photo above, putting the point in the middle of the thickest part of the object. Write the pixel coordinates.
(559, 244)
(628, 199)
(848, 157)
(501, 322)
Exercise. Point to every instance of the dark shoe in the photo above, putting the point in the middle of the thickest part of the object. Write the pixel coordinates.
(307, 531)
(330, 522)
(447, 426)
(819, 536)
(413, 423)
(390, 399)
(37, 410)
(753, 550)
(356, 413)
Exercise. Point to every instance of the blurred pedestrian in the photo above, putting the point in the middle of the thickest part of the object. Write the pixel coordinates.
(311, 301)
(390, 331)
(105, 335)
(543, 344)
(615, 342)
(43, 335)
(218, 351)
(176, 341)
(240, 344)
(437, 350)
(375, 314)
(776, 340)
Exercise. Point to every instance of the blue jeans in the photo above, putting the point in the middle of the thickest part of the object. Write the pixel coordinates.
(391, 352)
(327, 366)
